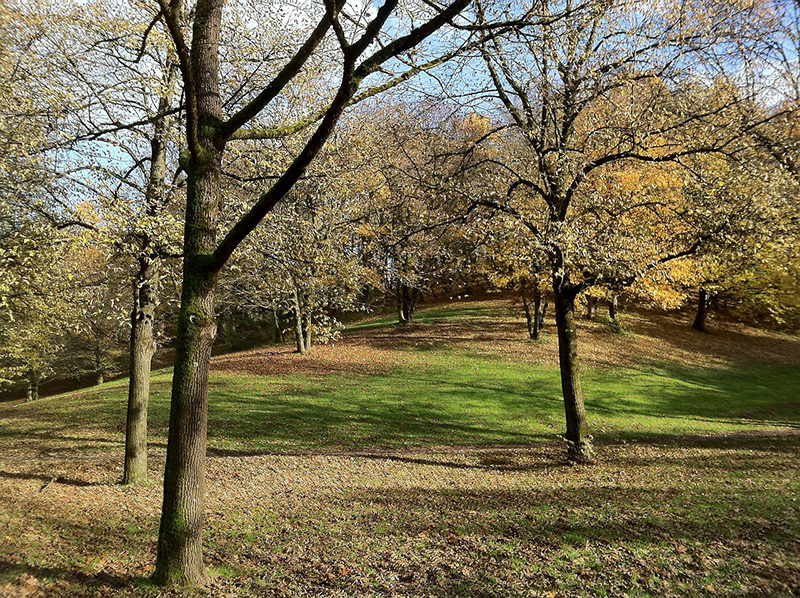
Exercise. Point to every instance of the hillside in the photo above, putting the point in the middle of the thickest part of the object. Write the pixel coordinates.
(425, 460)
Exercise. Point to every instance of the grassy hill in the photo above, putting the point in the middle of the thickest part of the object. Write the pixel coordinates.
(425, 460)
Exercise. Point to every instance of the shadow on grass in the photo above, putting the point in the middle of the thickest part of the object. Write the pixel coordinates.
(754, 394)
(674, 330)
(495, 404)
(457, 400)
(439, 335)
(435, 315)
(579, 515)
(490, 462)
(398, 409)
(716, 507)
(756, 440)
(47, 480)
(101, 578)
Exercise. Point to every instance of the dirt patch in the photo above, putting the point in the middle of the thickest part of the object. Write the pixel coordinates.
(350, 355)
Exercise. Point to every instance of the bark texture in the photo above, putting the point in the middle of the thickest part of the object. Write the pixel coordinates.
(179, 557)
(542, 311)
(577, 435)
(180, 550)
(278, 328)
(307, 330)
(142, 350)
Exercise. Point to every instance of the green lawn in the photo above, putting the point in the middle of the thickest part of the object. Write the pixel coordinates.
(451, 399)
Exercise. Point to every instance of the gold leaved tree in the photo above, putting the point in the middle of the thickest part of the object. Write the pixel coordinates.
(608, 85)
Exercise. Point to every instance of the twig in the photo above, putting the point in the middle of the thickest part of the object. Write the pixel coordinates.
(48, 484)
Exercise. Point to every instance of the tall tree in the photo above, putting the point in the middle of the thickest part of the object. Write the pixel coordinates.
(211, 123)
(610, 83)
(109, 145)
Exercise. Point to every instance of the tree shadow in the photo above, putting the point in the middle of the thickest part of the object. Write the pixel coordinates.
(754, 394)
(726, 340)
(484, 463)
(759, 440)
(101, 578)
(575, 515)
(495, 459)
(47, 480)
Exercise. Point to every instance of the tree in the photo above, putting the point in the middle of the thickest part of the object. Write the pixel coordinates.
(414, 236)
(511, 261)
(48, 328)
(32, 318)
(114, 82)
(96, 308)
(760, 211)
(209, 129)
(611, 83)
(303, 261)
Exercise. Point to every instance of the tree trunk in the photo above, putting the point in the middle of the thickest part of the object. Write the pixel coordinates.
(533, 317)
(300, 338)
(613, 308)
(530, 319)
(407, 298)
(180, 538)
(33, 385)
(543, 311)
(703, 302)
(577, 435)
(307, 330)
(408, 309)
(400, 316)
(591, 307)
(539, 308)
(278, 331)
(180, 552)
(404, 315)
(99, 373)
(142, 348)
(145, 300)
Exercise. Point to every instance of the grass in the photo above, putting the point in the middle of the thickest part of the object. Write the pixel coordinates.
(439, 473)
(451, 399)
